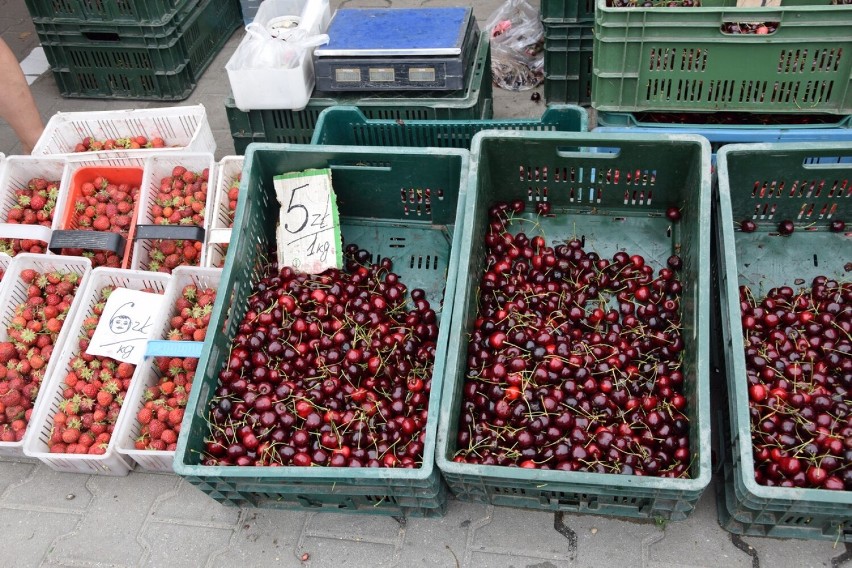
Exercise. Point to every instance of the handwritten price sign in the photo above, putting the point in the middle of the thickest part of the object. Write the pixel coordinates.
(308, 229)
(125, 325)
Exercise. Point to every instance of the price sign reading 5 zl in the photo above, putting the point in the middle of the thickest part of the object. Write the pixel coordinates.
(308, 227)
(125, 325)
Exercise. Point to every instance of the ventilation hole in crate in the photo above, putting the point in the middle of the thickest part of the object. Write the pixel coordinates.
(593, 174)
(831, 211)
(544, 174)
(397, 242)
(792, 61)
(583, 240)
(402, 194)
(521, 174)
(816, 261)
(405, 210)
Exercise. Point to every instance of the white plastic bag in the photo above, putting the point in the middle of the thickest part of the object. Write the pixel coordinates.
(517, 42)
(262, 50)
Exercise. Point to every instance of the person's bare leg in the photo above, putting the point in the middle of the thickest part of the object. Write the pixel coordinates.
(17, 106)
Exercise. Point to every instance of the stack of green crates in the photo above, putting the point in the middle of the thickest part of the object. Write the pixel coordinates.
(568, 44)
(297, 126)
(132, 50)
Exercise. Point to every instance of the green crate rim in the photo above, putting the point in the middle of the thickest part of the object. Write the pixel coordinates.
(740, 424)
(560, 479)
(553, 116)
(332, 475)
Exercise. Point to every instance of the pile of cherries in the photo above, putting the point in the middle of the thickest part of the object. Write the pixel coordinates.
(333, 369)
(798, 354)
(575, 362)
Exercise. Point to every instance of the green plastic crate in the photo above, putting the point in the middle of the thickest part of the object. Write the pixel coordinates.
(347, 125)
(169, 73)
(611, 216)
(417, 236)
(678, 59)
(116, 34)
(568, 63)
(149, 12)
(567, 11)
(297, 126)
(771, 182)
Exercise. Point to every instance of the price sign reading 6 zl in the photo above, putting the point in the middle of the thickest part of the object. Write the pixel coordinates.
(125, 325)
(308, 226)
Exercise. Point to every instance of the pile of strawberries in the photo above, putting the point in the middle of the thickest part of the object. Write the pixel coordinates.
(91, 144)
(32, 334)
(161, 415)
(93, 392)
(182, 200)
(105, 207)
(34, 205)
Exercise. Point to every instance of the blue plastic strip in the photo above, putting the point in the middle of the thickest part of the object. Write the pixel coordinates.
(720, 136)
(164, 348)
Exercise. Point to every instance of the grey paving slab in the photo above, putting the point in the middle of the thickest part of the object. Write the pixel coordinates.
(440, 542)
(264, 538)
(505, 537)
(12, 472)
(774, 552)
(697, 541)
(602, 540)
(336, 539)
(178, 546)
(29, 537)
(43, 489)
(186, 503)
(107, 534)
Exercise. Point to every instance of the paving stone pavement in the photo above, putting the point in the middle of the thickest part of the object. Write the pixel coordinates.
(144, 519)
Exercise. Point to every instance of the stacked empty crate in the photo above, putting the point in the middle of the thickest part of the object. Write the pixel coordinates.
(680, 70)
(132, 50)
(568, 43)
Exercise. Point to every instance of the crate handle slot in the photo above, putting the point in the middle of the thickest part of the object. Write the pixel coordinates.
(597, 152)
(111, 37)
(357, 167)
(823, 163)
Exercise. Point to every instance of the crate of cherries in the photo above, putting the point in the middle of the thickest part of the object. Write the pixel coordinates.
(785, 331)
(575, 374)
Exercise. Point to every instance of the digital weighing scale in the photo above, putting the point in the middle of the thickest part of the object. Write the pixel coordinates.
(378, 49)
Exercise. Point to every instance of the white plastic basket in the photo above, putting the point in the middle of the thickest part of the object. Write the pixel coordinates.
(183, 128)
(156, 168)
(15, 293)
(18, 171)
(38, 434)
(279, 88)
(219, 231)
(147, 374)
(5, 261)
